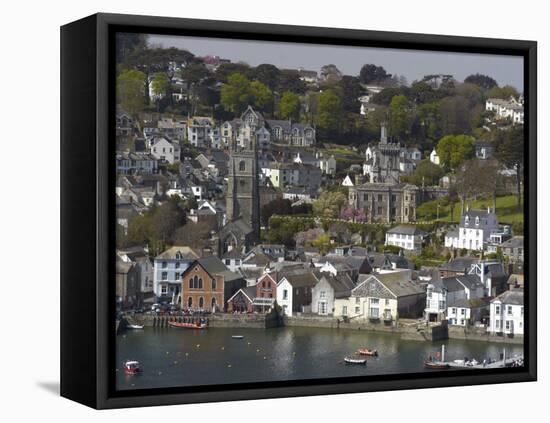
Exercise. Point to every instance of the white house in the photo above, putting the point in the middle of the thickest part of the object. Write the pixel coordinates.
(434, 157)
(475, 229)
(284, 296)
(506, 313)
(165, 150)
(464, 312)
(511, 109)
(383, 297)
(441, 293)
(169, 266)
(200, 131)
(406, 237)
(327, 290)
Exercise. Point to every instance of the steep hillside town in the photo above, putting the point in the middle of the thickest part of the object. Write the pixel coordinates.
(244, 190)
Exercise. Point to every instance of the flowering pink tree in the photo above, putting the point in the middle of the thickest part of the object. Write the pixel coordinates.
(353, 214)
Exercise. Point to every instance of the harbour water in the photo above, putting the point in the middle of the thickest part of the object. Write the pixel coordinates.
(177, 357)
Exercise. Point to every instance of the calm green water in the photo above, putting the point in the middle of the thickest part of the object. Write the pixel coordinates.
(174, 357)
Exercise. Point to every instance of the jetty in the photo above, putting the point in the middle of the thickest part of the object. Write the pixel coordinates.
(515, 360)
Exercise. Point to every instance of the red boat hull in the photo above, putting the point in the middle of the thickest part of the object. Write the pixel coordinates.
(430, 365)
(368, 352)
(187, 325)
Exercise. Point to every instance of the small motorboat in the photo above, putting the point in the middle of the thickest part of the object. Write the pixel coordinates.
(131, 367)
(134, 326)
(237, 336)
(187, 325)
(351, 360)
(368, 351)
(436, 365)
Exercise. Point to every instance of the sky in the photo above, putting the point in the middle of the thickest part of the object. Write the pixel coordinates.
(413, 64)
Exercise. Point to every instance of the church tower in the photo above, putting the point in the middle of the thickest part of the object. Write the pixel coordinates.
(243, 199)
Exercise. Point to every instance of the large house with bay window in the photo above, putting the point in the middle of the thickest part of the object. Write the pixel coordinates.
(169, 266)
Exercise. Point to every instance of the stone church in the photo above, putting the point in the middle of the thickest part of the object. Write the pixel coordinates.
(242, 199)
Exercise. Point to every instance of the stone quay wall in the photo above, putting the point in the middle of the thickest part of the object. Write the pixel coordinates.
(481, 334)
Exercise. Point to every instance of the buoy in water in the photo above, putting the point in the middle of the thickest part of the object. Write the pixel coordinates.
(160, 373)
(265, 358)
(229, 365)
(258, 350)
(198, 345)
(187, 354)
(223, 348)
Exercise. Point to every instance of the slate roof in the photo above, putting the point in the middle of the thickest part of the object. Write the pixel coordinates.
(186, 252)
(398, 283)
(407, 230)
(341, 284)
(301, 279)
(459, 264)
(515, 242)
(513, 297)
(472, 303)
(215, 266)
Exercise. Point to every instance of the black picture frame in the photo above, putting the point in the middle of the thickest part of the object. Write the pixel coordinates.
(87, 208)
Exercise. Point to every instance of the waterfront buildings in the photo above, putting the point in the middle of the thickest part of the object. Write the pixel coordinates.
(506, 313)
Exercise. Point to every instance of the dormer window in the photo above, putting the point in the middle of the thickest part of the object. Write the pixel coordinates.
(477, 220)
(178, 256)
(467, 220)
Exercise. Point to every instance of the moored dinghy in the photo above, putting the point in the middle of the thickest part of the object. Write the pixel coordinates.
(351, 360)
(368, 351)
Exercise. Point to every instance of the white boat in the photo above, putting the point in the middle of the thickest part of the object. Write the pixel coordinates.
(134, 326)
(350, 360)
(237, 336)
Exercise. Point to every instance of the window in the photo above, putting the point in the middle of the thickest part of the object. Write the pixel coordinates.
(344, 310)
(164, 276)
(189, 302)
(164, 289)
(242, 166)
(453, 310)
(497, 324)
(357, 310)
(201, 302)
(322, 294)
(462, 322)
(285, 294)
(200, 283)
(497, 310)
(177, 275)
(322, 307)
(357, 300)
(213, 284)
(462, 311)
(190, 283)
(227, 262)
(509, 310)
(522, 312)
(374, 300)
(164, 265)
(508, 324)
(177, 265)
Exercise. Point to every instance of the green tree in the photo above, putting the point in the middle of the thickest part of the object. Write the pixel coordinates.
(236, 93)
(510, 152)
(278, 206)
(226, 69)
(160, 86)
(483, 81)
(455, 149)
(261, 95)
(350, 90)
(371, 73)
(455, 115)
(322, 242)
(289, 106)
(503, 92)
(400, 119)
(267, 74)
(426, 173)
(131, 92)
(289, 80)
(331, 74)
(329, 111)
(329, 204)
